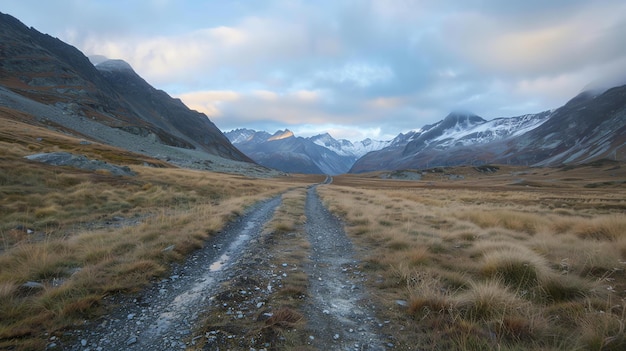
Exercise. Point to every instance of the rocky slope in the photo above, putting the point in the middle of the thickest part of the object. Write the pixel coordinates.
(46, 71)
(589, 127)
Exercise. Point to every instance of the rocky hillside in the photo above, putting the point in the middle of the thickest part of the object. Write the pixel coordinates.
(589, 127)
(53, 78)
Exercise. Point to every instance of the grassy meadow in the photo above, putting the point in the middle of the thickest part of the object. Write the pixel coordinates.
(84, 235)
(486, 264)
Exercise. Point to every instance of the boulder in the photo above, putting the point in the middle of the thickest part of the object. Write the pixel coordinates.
(79, 161)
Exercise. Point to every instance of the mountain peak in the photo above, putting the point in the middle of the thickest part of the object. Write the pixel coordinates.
(323, 139)
(281, 134)
(460, 120)
(114, 65)
(463, 116)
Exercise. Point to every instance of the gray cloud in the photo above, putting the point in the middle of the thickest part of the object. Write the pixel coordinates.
(379, 67)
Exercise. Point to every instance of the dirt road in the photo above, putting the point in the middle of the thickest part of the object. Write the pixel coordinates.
(164, 316)
(233, 276)
(338, 310)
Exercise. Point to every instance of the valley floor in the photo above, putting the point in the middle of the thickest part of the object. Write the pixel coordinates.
(424, 267)
(458, 258)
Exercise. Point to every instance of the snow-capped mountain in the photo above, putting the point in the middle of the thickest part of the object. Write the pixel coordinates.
(589, 127)
(286, 152)
(448, 142)
(347, 148)
(467, 130)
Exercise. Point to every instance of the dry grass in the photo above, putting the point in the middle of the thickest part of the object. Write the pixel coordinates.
(492, 267)
(84, 235)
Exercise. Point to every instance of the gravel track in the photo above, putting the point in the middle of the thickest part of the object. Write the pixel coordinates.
(163, 317)
(166, 316)
(338, 312)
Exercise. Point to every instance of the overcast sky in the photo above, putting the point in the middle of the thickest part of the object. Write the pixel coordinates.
(354, 68)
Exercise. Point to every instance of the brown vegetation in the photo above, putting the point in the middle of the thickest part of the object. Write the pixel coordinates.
(483, 263)
(516, 259)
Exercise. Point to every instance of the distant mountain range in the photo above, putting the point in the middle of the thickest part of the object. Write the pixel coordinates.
(320, 154)
(589, 127)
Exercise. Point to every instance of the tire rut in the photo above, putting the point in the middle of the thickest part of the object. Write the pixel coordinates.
(163, 317)
(338, 312)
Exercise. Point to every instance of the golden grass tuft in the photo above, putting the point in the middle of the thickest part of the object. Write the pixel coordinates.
(508, 219)
(611, 228)
(603, 331)
(556, 288)
(429, 293)
(517, 267)
(488, 300)
(285, 317)
(7, 290)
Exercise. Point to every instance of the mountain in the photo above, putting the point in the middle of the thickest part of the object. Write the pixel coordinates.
(444, 130)
(347, 148)
(57, 84)
(589, 127)
(320, 154)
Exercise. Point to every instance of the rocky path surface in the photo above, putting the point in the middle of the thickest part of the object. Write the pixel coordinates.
(338, 311)
(163, 317)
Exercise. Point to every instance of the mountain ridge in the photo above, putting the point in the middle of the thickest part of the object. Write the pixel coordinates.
(66, 91)
(47, 71)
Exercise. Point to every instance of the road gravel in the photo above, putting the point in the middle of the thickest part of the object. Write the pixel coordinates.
(338, 311)
(164, 316)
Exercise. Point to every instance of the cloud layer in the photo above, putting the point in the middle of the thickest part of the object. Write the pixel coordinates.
(355, 68)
